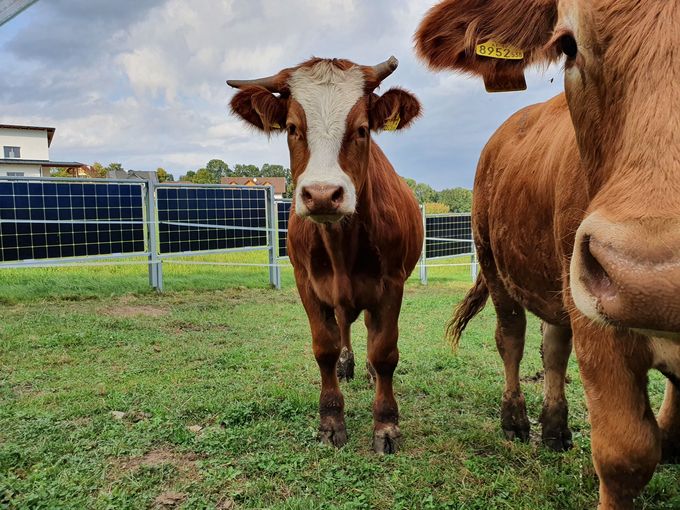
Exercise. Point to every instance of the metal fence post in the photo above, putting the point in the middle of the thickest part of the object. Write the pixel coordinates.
(155, 264)
(272, 239)
(473, 264)
(423, 256)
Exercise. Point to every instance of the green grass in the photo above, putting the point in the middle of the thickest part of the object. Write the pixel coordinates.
(223, 351)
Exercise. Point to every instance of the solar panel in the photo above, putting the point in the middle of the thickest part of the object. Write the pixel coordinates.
(195, 219)
(283, 214)
(49, 220)
(440, 228)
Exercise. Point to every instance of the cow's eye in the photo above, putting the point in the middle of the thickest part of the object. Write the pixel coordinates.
(292, 130)
(567, 45)
(362, 132)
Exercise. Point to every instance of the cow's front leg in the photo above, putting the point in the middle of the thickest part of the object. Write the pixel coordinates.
(383, 355)
(669, 424)
(326, 345)
(625, 438)
(556, 349)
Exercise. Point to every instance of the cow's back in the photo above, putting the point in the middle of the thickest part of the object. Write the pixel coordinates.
(517, 205)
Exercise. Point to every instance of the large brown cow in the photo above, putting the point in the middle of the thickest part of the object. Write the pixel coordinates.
(577, 213)
(356, 233)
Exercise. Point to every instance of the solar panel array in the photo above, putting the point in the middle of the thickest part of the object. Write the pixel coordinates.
(194, 219)
(283, 213)
(440, 228)
(50, 220)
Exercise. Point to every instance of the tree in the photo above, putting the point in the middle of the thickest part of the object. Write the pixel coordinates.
(99, 169)
(425, 193)
(246, 171)
(115, 167)
(189, 177)
(218, 169)
(435, 208)
(163, 175)
(203, 176)
(458, 200)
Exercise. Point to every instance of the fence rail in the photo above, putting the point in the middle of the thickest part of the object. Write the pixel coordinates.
(47, 222)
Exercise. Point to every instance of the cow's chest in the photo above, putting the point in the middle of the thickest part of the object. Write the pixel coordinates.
(347, 277)
(666, 357)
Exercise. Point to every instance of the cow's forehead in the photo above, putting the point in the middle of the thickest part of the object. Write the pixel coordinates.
(327, 94)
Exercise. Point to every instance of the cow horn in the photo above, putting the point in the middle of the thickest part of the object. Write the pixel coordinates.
(271, 83)
(386, 68)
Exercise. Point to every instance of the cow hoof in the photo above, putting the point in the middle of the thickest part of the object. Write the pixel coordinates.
(514, 420)
(556, 435)
(334, 436)
(386, 440)
(558, 441)
(372, 376)
(345, 366)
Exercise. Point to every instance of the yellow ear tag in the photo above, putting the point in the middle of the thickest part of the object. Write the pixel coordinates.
(494, 50)
(392, 124)
(276, 125)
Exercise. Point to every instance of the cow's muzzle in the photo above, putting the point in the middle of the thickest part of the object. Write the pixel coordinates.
(628, 274)
(323, 203)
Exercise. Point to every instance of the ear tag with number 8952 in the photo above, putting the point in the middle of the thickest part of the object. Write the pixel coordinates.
(494, 50)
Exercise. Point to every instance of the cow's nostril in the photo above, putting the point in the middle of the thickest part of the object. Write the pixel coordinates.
(306, 195)
(595, 276)
(338, 195)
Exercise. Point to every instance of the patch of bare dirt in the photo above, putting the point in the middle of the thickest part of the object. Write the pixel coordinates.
(169, 499)
(185, 463)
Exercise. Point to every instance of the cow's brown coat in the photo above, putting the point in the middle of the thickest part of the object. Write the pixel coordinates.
(610, 150)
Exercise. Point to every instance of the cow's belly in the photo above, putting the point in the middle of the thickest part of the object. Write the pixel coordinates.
(666, 357)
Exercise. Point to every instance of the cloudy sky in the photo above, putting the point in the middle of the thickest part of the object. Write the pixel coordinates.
(142, 82)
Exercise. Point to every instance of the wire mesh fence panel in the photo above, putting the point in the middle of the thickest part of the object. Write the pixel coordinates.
(448, 235)
(48, 219)
(283, 208)
(212, 218)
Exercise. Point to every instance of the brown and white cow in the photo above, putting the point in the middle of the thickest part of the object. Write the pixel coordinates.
(356, 233)
(577, 214)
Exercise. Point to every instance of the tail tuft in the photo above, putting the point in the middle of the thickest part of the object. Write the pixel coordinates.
(472, 304)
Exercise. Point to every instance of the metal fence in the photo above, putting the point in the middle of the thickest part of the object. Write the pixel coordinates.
(46, 222)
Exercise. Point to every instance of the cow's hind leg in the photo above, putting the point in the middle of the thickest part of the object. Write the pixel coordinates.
(510, 331)
(383, 355)
(669, 423)
(326, 345)
(345, 365)
(554, 418)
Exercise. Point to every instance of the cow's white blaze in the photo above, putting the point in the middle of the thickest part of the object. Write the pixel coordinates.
(327, 95)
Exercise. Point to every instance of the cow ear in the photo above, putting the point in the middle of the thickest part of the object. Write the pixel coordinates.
(395, 109)
(261, 108)
(495, 39)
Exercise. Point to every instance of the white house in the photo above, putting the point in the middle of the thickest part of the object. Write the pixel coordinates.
(25, 151)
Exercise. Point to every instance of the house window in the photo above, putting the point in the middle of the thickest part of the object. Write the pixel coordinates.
(12, 152)
(15, 174)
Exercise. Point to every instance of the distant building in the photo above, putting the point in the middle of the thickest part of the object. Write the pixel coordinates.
(142, 175)
(279, 183)
(25, 151)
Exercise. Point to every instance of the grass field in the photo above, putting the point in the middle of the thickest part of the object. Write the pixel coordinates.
(206, 397)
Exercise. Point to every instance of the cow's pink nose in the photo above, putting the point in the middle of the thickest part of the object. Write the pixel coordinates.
(632, 270)
(322, 199)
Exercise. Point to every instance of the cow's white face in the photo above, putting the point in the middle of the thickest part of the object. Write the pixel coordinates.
(326, 95)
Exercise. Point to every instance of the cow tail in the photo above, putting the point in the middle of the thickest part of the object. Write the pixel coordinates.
(472, 304)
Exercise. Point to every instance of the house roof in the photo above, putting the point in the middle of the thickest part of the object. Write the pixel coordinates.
(41, 162)
(279, 183)
(50, 130)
